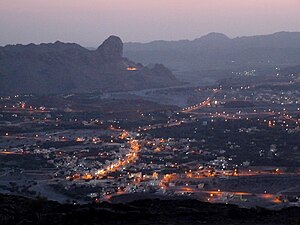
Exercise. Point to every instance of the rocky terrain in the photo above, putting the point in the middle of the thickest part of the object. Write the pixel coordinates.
(67, 68)
(19, 210)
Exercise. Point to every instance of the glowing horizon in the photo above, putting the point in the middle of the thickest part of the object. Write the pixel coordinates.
(89, 22)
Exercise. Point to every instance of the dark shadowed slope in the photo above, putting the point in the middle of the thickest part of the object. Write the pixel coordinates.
(62, 67)
(18, 210)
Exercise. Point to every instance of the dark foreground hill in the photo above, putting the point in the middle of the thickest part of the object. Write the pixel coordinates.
(64, 68)
(18, 210)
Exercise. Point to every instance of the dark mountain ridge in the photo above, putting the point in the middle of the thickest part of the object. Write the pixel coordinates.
(68, 67)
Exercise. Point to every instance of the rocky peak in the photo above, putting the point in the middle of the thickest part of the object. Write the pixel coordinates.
(213, 38)
(111, 49)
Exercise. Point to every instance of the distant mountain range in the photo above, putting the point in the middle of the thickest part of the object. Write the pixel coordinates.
(217, 51)
(65, 68)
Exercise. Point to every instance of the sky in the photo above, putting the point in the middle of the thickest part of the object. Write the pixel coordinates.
(89, 22)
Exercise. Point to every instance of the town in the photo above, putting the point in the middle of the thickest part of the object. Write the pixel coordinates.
(232, 143)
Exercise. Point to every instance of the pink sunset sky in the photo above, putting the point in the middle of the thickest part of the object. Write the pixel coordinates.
(89, 22)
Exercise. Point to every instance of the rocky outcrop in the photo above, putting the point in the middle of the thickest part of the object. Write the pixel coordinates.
(68, 67)
(112, 49)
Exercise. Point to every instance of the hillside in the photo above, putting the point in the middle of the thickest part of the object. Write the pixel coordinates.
(65, 68)
(19, 210)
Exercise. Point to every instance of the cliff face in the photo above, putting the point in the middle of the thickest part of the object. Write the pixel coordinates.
(64, 67)
(112, 49)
